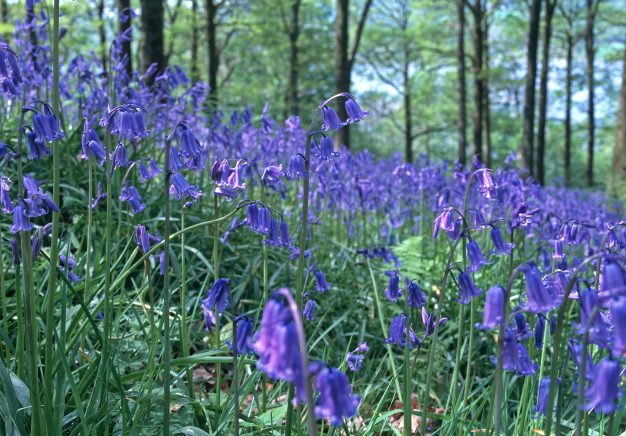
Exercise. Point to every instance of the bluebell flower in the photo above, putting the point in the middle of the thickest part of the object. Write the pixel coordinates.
(335, 401)
(127, 122)
(129, 194)
(467, 288)
(218, 295)
(91, 144)
(46, 125)
(276, 344)
(559, 252)
(393, 291)
(575, 350)
(296, 167)
(330, 119)
(612, 280)
(21, 223)
(272, 174)
(493, 314)
(210, 319)
(144, 239)
(120, 156)
(10, 75)
(146, 173)
(542, 396)
(618, 317)
(541, 299)
(67, 265)
(189, 145)
(38, 203)
(397, 332)
(599, 329)
(501, 248)
(309, 310)
(415, 297)
(36, 240)
(429, 322)
(37, 148)
(355, 358)
(284, 234)
(515, 356)
(244, 335)
(273, 235)
(604, 389)
(235, 180)
(540, 328)
(475, 255)
(522, 329)
(180, 188)
(448, 221)
(354, 111)
(321, 285)
(5, 197)
(486, 185)
(326, 149)
(99, 198)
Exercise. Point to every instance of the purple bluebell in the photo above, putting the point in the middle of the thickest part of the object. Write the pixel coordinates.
(36, 240)
(21, 223)
(393, 291)
(326, 149)
(446, 220)
(244, 335)
(129, 194)
(37, 148)
(522, 329)
(38, 203)
(618, 317)
(309, 309)
(146, 173)
(120, 156)
(559, 252)
(354, 358)
(284, 234)
(540, 328)
(541, 299)
(575, 350)
(273, 235)
(99, 198)
(501, 248)
(397, 332)
(46, 125)
(10, 75)
(475, 255)
(415, 297)
(335, 401)
(127, 122)
(276, 344)
(592, 317)
(180, 188)
(5, 197)
(189, 145)
(429, 322)
(91, 144)
(67, 265)
(467, 288)
(330, 119)
(354, 111)
(515, 356)
(542, 396)
(321, 285)
(144, 239)
(604, 389)
(210, 319)
(272, 174)
(235, 180)
(218, 295)
(486, 185)
(296, 167)
(493, 314)
(612, 279)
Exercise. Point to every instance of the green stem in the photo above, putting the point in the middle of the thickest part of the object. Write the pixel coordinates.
(235, 380)
(166, 292)
(184, 328)
(406, 400)
(54, 237)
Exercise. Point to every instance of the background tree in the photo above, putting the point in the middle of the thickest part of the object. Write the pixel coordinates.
(193, 68)
(460, 58)
(592, 10)
(344, 61)
(212, 53)
(618, 181)
(527, 149)
(102, 34)
(477, 8)
(125, 25)
(543, 89)
(152, 12)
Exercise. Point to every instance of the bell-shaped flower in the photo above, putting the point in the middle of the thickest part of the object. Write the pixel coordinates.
(335, 401)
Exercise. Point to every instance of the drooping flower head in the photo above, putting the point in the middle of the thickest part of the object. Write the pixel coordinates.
(244, 336)
(393, 291)
(354, 359)
(415, 297)
(397, 332)
(486, 185)
(493, 315)
(542, 396)
(475, 256)
(335, 401)
(430, 323)
(501, 248)
(218, 295)
(604, 389)
(467, 288)
(541, 298)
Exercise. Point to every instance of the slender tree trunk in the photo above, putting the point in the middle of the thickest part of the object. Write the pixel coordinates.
(568, 108)
(543, 90)
(195, 76)
(342, 65)
(103, 36)
(152, 26)
(589, 50)
(4, 11)
(527, 149)
(460, 57)
(213, 55)
(487, 102)
(479, 83)
(125, 26)
(618, 181)
(294, 34)
(408, 116)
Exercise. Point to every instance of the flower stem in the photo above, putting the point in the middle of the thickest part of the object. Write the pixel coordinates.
(166, 293)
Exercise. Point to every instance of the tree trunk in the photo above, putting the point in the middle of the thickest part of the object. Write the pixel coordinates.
(589, 50)
(103, 36)
(194, 42)
(479, 83)
(152, 42)
(125, 25)
(294, 34)
(568, 109)
(618, 181)
(4, 11)
(527, 149)
(342, 66)
(460, 57)
(487, 102)
(213, 55)
(543, 91)
(408, 116)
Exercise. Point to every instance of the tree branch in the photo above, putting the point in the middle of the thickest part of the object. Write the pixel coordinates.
(359, 33)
